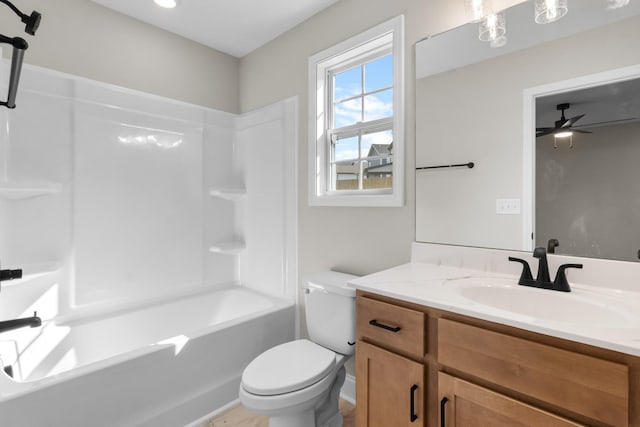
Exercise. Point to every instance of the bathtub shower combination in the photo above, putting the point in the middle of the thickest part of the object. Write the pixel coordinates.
(157, 242)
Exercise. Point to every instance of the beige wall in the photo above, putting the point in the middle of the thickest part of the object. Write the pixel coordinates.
(354, 240)
(82, 38)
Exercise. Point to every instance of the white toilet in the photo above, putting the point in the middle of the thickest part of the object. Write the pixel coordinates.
(297, 384)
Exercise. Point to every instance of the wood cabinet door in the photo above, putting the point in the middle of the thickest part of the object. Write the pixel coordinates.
(389, 389)
(465, 404)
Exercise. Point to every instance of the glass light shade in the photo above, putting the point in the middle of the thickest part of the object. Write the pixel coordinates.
(477, 9)
(550, 10)
(169, 4)
(492, 27)
(615, 4)
(499, 42)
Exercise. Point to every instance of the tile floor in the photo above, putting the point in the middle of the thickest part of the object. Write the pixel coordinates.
(239, 417)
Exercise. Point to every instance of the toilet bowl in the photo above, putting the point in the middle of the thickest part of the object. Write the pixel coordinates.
(297, 384)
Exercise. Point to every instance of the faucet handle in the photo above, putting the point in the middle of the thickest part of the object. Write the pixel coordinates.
(525, 277)
(10, 275)
(561, 283)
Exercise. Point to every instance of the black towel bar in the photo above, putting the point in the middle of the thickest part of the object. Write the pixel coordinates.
(468, 165)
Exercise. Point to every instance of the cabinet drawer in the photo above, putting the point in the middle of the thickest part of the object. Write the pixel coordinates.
(582, 384)
(391, 326)
(466, 404)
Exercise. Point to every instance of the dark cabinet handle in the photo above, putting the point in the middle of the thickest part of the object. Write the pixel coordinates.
(374, 322)
(412, 411)
(443, 403)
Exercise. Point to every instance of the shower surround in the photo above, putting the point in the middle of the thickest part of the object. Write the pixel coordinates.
(115, 201)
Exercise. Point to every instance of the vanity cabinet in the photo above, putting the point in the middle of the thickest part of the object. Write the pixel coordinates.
(390, 372)
(480, 373)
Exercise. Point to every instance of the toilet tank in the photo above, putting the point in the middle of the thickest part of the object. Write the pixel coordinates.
(330, 307)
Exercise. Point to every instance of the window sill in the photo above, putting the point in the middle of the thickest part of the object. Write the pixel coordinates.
(384, 200)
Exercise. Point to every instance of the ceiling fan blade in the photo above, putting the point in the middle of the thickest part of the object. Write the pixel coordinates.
(580, 131)
(544, 131)
(606, 122)
(569, 123)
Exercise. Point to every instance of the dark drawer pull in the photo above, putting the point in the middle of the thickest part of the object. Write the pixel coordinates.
(374, 322)
(443, 402)
(412, 410)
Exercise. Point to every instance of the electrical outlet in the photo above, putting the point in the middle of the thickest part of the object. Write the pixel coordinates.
(508, 206)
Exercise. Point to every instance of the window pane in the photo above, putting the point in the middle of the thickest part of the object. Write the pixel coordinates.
(347, 84)
(345, 149)
(346, 170)
(377, 148)
(379, 73)
(378, 106)
(347, 113)
(347, 175)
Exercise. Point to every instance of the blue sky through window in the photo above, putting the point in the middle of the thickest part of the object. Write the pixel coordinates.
(346, 149)
(378, 74)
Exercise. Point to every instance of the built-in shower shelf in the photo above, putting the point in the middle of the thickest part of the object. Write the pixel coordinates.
(233, 194)
(27, 190)
(228, 248)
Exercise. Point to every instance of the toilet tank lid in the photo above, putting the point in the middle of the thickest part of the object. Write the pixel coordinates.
(331, 281)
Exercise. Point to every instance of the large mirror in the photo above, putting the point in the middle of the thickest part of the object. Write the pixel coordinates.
(482, 104)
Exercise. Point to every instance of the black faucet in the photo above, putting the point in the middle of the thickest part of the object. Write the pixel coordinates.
(9, 325)
(543, 280)
(543, 265)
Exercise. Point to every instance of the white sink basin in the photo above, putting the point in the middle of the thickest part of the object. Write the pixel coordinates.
(545, 305)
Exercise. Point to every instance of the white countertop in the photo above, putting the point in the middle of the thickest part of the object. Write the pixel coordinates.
(598, 316)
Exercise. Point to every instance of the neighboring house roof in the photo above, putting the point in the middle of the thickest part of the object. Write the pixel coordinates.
(380, 150)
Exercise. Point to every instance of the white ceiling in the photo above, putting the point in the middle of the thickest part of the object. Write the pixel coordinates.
(236, 27)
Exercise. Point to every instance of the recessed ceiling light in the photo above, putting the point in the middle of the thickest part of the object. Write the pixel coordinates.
(169, 4)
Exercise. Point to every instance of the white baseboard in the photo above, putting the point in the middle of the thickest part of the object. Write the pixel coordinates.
(348, 391)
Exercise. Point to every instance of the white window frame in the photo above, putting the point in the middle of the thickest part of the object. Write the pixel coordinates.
(355, 49)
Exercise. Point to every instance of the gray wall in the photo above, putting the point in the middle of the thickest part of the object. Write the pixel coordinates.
(82, 38)
(588, 197)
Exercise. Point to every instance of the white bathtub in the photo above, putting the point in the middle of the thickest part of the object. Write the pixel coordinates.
(164, 365)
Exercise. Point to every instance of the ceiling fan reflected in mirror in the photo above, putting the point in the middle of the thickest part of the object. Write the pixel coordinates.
(565, 127)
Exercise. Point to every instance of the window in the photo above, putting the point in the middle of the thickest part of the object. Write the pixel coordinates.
(356, 154)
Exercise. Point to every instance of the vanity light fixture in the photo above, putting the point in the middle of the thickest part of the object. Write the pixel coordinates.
(615, 4)
(493, 27)
(168, 4)
(499, 42)
(478, 9)
(547, 11)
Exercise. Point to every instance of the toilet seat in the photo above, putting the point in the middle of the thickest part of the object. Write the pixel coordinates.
(288, 367)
